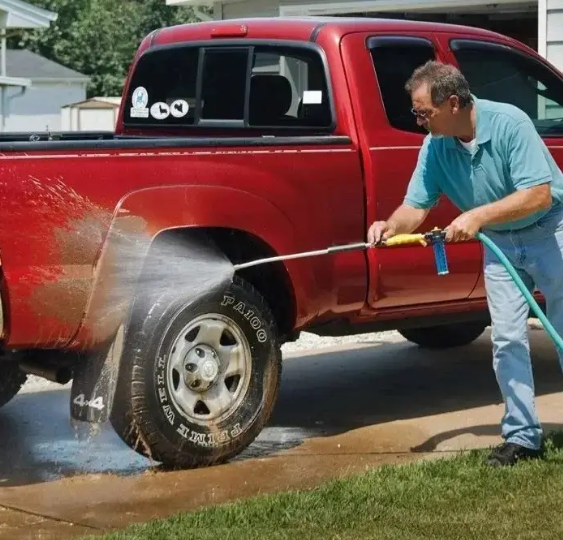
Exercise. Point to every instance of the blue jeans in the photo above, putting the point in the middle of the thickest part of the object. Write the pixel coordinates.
(537, 254)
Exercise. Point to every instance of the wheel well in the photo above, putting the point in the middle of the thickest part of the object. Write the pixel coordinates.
(271, 280)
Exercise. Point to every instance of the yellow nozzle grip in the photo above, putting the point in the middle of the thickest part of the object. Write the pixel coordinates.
(400, 239)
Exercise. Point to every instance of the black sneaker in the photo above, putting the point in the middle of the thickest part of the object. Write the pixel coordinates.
(509, 454)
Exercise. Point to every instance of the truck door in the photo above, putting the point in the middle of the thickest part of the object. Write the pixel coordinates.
(502, 72)
(378, 67)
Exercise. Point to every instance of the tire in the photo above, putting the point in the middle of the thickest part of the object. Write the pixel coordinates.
(444, 336)
(11, 380)
(156, 411)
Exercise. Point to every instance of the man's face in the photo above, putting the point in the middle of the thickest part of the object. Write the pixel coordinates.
(439, 120)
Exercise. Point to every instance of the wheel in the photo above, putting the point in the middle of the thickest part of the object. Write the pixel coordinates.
(444, 336)
(198, 380)
(11, 380)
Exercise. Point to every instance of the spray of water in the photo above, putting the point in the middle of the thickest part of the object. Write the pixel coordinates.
(190, 267)
(71, 228)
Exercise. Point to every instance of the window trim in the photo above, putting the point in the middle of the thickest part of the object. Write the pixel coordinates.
(249, 44)
(217, 122)
(396, 41)
(374, 42)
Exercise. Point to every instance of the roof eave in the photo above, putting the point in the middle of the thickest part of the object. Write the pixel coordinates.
(40, 80)
(14, 81)
(191, 2)
(20, 14)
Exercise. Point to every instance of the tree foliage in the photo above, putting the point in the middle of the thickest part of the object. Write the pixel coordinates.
(99, 37)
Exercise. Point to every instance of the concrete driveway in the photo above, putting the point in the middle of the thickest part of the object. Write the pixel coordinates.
(340, 411)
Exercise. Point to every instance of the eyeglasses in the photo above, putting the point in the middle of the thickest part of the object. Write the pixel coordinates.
(420, 114)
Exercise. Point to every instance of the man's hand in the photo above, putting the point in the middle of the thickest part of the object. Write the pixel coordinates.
(464, 227)
(404, 219)
(380, 230)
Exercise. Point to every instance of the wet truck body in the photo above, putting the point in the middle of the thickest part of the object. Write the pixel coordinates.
(259, 138)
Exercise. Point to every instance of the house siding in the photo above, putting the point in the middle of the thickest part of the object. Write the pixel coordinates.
(554, 33)
(40, 107)
(251, 8)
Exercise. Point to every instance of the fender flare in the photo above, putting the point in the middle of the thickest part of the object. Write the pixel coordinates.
(142, 215)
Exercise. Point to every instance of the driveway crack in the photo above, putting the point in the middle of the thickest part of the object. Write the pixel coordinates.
(50, 518)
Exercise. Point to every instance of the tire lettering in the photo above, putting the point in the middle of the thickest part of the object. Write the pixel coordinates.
(227, 301)
(162, 395)
(197, 438)
(255, 323)
(183, 431)
(161, 362)
(169, 414)
(240, 307)
(248, 314)
(216, 439)
(261, 335)
(160, 380)
(236, 431)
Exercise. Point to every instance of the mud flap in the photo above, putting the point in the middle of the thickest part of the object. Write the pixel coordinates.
(94, 382)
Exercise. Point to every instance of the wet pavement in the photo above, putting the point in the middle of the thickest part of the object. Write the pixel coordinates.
(340, 411)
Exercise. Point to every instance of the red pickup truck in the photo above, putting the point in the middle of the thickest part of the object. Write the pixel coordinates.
(254, 138)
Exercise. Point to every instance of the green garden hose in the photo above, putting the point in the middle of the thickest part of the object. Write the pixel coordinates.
(523, 289)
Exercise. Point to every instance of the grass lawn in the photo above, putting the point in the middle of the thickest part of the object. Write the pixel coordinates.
(457, 498)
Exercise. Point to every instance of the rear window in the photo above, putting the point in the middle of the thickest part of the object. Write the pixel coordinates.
(246, 86)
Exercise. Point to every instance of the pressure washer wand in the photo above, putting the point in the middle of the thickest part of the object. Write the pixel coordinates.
(327, 251)
(435, 238)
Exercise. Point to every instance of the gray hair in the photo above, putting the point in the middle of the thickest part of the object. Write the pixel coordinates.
(444, 80)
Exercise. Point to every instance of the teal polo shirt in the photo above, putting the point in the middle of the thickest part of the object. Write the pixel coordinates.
(509, 156)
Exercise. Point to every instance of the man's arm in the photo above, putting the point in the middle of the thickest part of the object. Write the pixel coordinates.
(407, 219)
(516, 206)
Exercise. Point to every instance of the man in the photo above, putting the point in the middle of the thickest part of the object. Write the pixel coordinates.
(489, 160)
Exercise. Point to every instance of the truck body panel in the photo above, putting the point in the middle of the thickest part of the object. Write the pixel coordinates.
(50, 263)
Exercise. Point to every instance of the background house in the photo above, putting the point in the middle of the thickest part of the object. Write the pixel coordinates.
(538, 23)
(37, 107)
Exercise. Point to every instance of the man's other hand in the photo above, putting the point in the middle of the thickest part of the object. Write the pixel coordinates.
(464, 227)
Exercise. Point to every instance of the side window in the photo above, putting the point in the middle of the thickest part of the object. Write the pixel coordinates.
(262, 86)
(499, 73)
(394, 60)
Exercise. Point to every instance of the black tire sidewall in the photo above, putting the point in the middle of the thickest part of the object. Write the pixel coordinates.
(156, 410)
(11, 379)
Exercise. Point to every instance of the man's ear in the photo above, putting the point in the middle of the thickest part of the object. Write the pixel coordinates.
(454, 104)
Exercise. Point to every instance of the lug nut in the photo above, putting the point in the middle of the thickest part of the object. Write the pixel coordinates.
(191, 368)
(200, 353)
